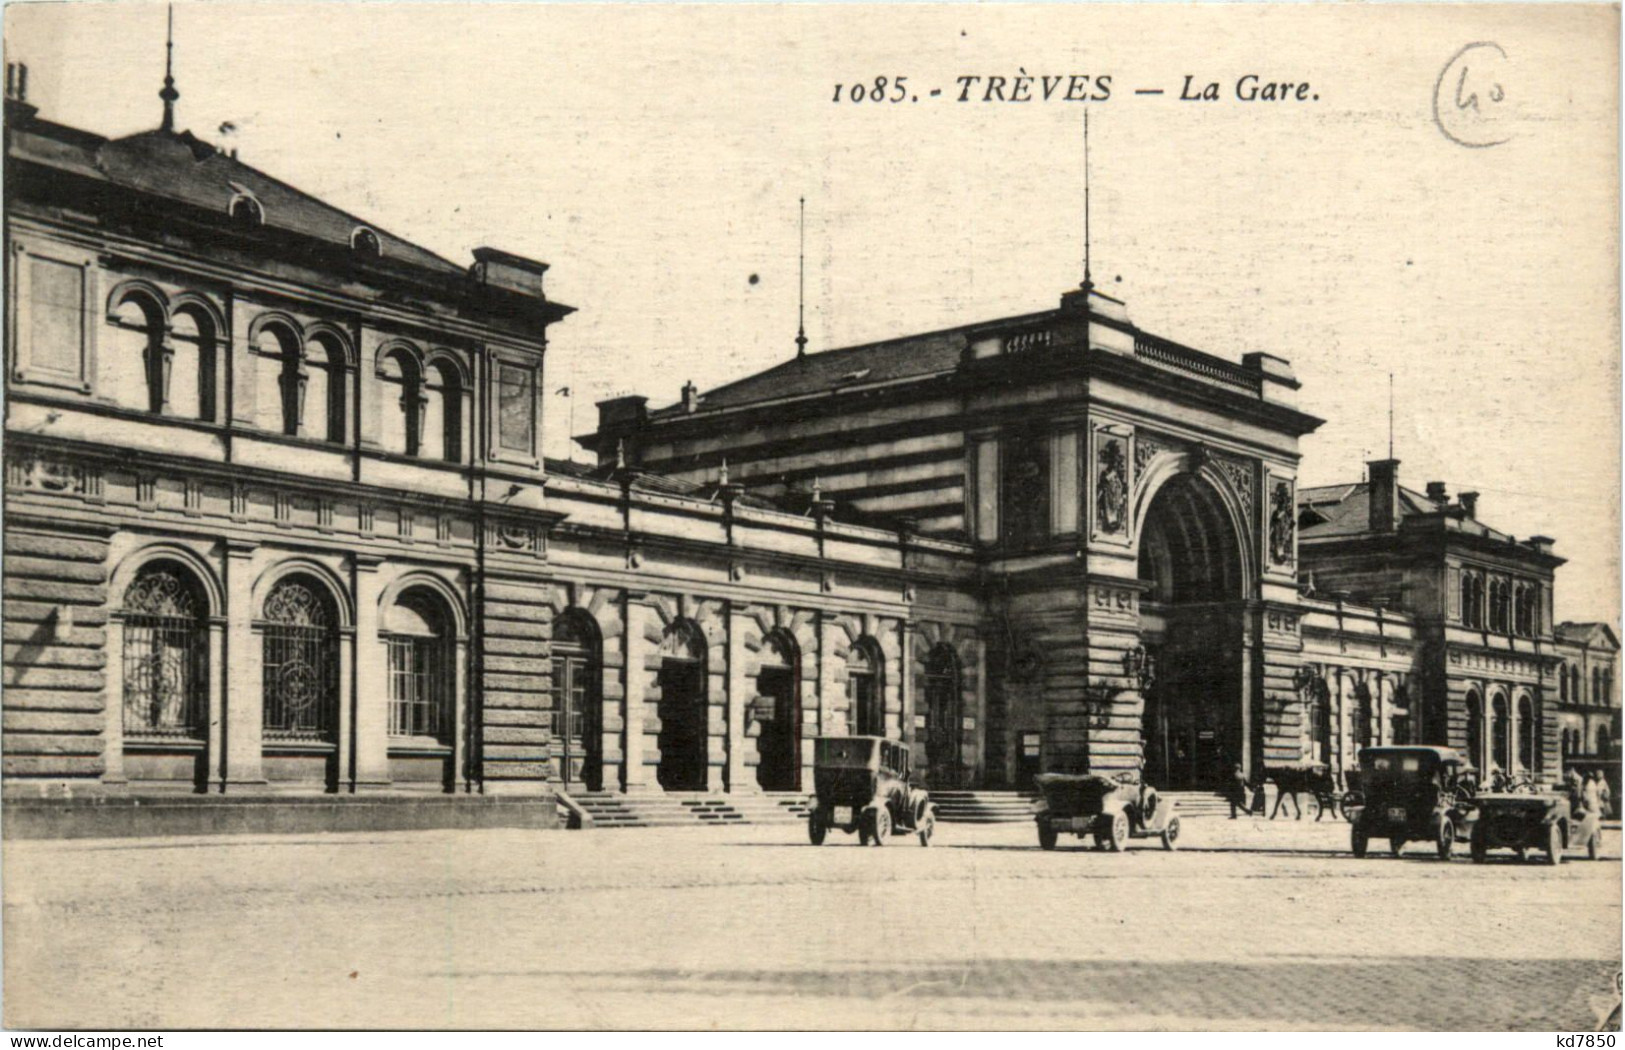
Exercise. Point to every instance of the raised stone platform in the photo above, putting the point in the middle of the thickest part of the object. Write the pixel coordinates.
(133, 815)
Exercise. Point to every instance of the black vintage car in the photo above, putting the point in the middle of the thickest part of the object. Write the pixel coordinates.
(863, 786)
(1412, 794)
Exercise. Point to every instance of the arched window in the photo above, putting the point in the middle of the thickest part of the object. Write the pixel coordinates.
(577, 715)
(1475, 730)
(1563, 684)
(1500, 734)
(942, 716)
(403, 403)
(443, 416)
(326, 401)
(281, 378)
(422, 666)
(683, 709)
(192, 332)
(1467, 599)
(166, 654)
(1576, 680)
(1362, 715)
(1603, 741)
(1528, 599)
(1318, 707)
(864, 690)
(300, 679)
(139, 368)
(1526, 733)
(1596, 685)
(778, 714)
(246, 212)
(1499, 604)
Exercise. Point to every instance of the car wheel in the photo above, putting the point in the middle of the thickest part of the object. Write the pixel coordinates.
(1396, 845)
(882, 827)
(1447, 840)
(1554, 845)
(1359, 841)
(1170, 834)
(928, 826)
(815, 828)
(1351, 803)
(1047, 836)
(1594, 845)
(1478, 847)
(1119, 840)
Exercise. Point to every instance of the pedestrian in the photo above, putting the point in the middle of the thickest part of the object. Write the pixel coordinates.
(1575, 786)
(1605, 797)
(1590, 794)
(1597, 793)
(1238, 791)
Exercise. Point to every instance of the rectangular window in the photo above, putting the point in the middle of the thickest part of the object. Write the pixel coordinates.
(987, 491)
(1026, 495)
(1064, 475)
(55, 321)
(416, 687)
(516, 408)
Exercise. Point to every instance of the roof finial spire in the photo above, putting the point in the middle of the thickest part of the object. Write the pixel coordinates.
(1088, 280)
(169, 94)
(801, 294)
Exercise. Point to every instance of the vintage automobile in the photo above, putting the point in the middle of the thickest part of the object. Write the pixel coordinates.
(1113, 809)
(1411, 794)
(862, 785)
(1523, 821)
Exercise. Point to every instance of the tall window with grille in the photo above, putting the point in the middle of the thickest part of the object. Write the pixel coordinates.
(863, 689)
(1319, 708)
(942, 751)
(575, 720)
(300, 678)
(166, 655)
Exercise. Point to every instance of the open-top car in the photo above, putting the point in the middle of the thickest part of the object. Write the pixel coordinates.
(863, 785)
(1525, 821)
(1113, 809)
(1412, 794)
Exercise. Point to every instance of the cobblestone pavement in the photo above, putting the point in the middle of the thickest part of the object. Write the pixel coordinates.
(1249, 925)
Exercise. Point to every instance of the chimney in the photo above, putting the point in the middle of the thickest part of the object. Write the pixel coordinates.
(1383, 477)
(691, 398)
(1436, 492)
(1469, 504)
(17, 81)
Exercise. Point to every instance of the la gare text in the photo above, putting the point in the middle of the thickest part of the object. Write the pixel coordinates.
(1072, 87)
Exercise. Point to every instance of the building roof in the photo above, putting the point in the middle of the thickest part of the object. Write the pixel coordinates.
(1336, 511)
(1593, 633)
(181, 167)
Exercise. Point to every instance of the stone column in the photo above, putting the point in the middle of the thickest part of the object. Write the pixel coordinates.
(218, 689)
(740, 691)
(242, 662)
(113, 706)
(909, 637)
(371, 679)
(638, 613)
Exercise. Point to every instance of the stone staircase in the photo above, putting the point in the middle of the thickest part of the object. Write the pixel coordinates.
(609, 809)
(983, 807)
(1199, 803)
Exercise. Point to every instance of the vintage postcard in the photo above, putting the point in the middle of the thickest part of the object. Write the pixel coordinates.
(797, 516)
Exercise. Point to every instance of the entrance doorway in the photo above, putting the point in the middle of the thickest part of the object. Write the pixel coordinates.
(778, 713)
(682, 710)
(942, 718)
(1192, 618)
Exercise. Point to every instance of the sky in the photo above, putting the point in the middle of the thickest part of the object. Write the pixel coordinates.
(654, 155)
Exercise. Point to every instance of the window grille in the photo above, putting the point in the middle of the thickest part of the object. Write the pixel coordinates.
(166, 655)
(300, 679)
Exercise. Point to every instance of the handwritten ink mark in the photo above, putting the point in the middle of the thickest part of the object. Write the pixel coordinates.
(1459, 109)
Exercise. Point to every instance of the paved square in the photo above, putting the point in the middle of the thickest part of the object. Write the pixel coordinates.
(1249, 925)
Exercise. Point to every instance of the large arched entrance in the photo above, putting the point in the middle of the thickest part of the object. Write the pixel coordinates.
(778, 688)
(1191, 619)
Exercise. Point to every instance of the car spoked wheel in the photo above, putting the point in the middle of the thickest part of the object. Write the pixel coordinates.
(1554, 845)
(928, 826)
(815, 828)
(1447, 840)
(1170, 834)
(1119, 840)
(882, 828)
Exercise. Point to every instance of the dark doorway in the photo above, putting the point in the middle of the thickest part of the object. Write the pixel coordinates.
(779, 744)
(942, 719)
(577, 709)
(1192, 617)
(682, 711)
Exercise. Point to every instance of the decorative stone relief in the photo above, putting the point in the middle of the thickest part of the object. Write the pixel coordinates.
(50, 475)
(1111, 483)
(1239, 473)
(1283, 521)
(1146, 447)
